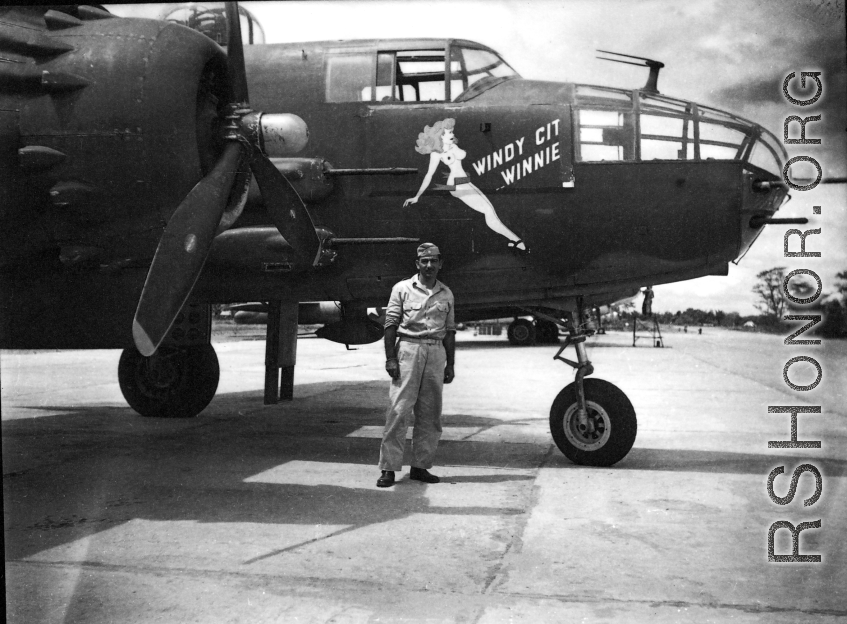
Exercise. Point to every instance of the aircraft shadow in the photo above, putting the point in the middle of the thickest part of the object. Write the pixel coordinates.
(671, 460)
(91, 469)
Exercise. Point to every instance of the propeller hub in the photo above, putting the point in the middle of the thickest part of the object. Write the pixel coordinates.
(232, 127)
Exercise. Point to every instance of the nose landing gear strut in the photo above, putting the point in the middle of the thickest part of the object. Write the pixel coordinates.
(592, 421)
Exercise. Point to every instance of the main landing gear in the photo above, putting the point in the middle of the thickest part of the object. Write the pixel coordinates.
(176, 382)
(592, 421)
(524, 332)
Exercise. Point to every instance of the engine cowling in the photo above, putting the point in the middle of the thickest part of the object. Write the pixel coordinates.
(114, 127)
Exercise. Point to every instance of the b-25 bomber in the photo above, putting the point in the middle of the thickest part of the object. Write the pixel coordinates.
(149, 174)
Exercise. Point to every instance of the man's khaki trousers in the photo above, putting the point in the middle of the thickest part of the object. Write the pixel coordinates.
(414, 400)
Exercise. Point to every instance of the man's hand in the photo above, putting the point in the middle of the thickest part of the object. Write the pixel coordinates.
(393, 368)
(448, 373)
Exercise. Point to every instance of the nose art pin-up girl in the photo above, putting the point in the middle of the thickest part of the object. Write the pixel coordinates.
(439, 142)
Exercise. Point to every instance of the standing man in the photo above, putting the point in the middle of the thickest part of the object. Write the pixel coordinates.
(420, 347)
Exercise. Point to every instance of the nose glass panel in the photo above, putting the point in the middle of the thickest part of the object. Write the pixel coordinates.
(623, 125)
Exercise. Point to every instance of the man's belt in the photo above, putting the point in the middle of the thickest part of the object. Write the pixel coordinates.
(429, 341)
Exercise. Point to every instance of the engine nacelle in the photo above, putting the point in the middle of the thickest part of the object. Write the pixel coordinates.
(319, 313)
(306, 175)
(345, 325)
(308, 313)
(354, 331)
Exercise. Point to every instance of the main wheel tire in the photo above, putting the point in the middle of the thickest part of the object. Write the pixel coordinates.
(521, 333)
(547, 332)
(176, 382)
(612, 415)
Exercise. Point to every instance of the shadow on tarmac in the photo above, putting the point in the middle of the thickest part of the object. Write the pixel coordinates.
(724, 462)
(672, 460)
(90, 469)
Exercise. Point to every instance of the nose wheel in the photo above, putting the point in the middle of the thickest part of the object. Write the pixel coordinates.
(606, 434)
(591, 434)
(592, 421)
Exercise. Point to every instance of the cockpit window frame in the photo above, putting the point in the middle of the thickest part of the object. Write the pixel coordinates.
(422, 77)
(468, 92)
(396, 92)
(694, 119)
(398, 87)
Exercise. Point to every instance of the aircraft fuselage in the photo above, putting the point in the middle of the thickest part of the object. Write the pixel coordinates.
(609, 190)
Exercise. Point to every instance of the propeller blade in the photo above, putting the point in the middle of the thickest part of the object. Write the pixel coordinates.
(235, 55)
(182, 252)
(287, 210)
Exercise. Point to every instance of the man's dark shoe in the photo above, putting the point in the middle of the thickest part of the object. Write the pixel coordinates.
(422, 474)
(386, 480)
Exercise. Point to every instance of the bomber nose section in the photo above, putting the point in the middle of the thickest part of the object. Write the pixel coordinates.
(762, 189)
(715, 176)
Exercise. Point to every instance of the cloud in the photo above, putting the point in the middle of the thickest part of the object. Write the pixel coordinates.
(827, 58)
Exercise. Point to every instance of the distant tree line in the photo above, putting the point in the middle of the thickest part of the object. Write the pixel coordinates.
(771, 302)
(832, 305)
(690, 316)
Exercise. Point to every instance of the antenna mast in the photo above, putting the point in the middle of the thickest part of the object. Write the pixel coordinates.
(655, 66)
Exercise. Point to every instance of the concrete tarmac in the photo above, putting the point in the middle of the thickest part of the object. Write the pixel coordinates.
(253, 513)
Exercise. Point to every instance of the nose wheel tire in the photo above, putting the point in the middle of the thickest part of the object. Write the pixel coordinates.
(611, 429)
(176, 382)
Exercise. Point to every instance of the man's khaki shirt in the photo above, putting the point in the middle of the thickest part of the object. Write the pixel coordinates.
(419, 314)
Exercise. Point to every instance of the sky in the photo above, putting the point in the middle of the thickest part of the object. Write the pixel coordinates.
(729, 54)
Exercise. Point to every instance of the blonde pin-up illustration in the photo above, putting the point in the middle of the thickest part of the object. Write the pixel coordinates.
(439, 142)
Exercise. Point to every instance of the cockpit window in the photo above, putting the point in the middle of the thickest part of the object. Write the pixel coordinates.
(473, 71)
(401, 76)
(419, 75)
(413, 75)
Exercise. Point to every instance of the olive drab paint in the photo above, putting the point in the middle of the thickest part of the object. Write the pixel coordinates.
(567, 198)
